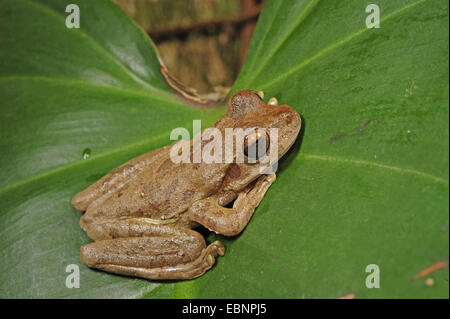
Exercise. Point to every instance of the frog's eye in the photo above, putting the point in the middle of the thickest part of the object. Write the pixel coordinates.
(256, 145)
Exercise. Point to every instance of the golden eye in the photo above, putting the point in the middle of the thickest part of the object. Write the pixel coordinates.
(256, 144)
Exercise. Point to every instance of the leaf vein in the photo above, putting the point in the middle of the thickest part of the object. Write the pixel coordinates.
(75, 82)
(302, 17)
(334, 46)
(378, 165)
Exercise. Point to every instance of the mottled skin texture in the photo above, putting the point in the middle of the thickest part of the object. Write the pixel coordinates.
(141, 214)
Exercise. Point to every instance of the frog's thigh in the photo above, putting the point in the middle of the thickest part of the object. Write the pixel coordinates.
(231, 221)
(157, 252)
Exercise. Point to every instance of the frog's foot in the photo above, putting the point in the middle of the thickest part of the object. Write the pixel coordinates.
(158, 252)
(231, 221)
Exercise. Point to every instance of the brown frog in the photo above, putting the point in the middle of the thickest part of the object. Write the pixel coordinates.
(141, 214)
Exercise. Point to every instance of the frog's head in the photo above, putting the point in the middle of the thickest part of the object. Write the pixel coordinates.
(278, 124)
(249, 111)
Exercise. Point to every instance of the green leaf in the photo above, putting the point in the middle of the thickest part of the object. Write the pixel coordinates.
(366, 183)
(369, 182)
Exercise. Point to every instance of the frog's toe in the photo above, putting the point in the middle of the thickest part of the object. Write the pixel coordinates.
(261, 94)
(273, 101)
(219, 247)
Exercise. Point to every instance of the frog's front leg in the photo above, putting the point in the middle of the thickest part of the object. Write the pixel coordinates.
(231, 221)
(141, 249)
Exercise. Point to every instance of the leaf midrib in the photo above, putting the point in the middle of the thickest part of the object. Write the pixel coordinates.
(66, 81)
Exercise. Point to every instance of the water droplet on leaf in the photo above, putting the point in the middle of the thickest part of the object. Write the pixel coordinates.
(86, 153)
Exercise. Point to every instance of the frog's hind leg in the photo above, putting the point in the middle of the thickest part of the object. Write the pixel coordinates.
(150, 251)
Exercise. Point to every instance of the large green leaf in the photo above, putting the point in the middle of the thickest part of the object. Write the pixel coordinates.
(367, 182)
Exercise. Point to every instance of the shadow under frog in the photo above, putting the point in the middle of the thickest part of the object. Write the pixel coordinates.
(142, 214)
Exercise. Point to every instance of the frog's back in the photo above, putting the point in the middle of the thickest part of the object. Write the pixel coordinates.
(174, 187)
(161, 192)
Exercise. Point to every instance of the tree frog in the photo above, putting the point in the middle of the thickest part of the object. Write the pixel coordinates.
(142, 214)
